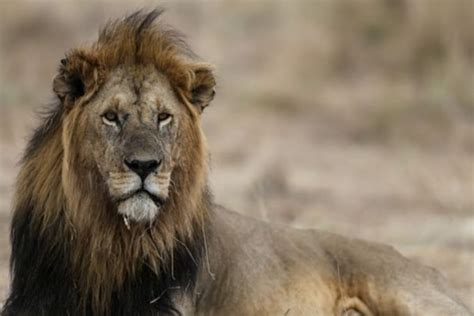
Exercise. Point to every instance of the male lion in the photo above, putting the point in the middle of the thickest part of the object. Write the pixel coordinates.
(113, 215)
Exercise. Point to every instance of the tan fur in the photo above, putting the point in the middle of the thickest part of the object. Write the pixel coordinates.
(265, 269)
(248, 267)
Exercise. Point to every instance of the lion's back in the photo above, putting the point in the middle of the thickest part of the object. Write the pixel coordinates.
(313, 272)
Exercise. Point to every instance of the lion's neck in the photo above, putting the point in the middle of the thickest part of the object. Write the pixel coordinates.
(119, 257)
(97, 262)
(112, 272)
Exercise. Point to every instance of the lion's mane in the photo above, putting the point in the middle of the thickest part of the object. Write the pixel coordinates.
(64, 233)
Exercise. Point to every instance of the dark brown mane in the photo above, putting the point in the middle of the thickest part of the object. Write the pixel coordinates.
(139, 39)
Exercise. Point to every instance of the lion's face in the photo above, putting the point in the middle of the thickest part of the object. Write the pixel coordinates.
(132, 126)
(130, 108)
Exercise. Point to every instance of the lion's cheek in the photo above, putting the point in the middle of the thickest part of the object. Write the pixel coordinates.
(106, 159)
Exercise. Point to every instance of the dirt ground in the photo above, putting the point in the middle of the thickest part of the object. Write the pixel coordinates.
(348, 116)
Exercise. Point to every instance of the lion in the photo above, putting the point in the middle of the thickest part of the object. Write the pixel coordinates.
(113, 214)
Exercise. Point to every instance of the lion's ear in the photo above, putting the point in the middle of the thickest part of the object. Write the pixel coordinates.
(202, 87)
(78, 75)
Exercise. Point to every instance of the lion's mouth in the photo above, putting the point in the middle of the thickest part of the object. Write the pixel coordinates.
(159, 201)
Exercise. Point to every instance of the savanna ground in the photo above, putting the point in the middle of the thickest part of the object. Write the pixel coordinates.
(349, 116)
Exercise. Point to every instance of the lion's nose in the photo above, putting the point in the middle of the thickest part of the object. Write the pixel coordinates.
(142, 167)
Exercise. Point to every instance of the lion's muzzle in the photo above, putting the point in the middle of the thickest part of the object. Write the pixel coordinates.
(141, 190)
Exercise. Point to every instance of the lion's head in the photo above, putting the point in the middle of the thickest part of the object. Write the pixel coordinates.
(133, 132)
(123, 143)
(131, 106)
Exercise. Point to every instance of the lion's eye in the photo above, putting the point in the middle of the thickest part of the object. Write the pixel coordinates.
(110, 118)
(164, 119)
(163, 116)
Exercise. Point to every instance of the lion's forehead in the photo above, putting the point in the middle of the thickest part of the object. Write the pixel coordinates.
(138, 87)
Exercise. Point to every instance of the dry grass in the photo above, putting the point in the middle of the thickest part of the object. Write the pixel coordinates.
(351, 116)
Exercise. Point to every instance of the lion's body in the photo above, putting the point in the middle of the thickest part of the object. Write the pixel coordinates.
(113, 215)
(263, 269)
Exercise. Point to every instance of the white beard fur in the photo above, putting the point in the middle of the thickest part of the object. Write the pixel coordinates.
(139, 208)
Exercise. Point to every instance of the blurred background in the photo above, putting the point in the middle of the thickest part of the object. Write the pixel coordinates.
(349, 116)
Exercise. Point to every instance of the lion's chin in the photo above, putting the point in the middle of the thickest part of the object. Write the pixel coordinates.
(139, 208)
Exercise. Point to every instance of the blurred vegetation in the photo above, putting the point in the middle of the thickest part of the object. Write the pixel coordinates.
(384, 70)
